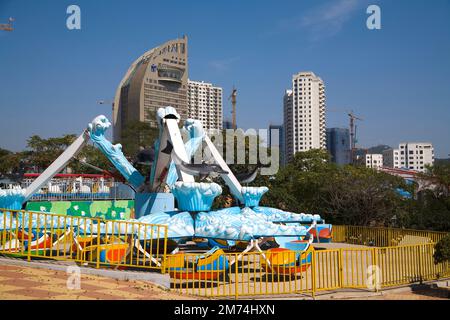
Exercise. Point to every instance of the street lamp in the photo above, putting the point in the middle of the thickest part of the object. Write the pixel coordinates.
(111, 102)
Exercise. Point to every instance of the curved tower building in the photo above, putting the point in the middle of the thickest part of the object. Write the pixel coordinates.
(156, 79)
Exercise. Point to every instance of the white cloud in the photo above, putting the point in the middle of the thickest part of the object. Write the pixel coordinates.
(222, 64)
(325, 20)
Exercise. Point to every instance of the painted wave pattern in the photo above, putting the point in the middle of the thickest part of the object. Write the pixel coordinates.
(195, 196)
(179, 224)
(230, 223)
(252, 195)
(277, 215)
(242, 224)
(12, 198)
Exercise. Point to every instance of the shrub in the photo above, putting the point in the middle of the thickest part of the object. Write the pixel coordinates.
(442, 250)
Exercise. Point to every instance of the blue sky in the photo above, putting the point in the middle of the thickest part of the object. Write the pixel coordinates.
(397, 78)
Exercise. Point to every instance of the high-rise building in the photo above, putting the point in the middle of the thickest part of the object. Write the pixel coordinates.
(374, 160)
(205, 104)
(276, 141)
(410, 155)
(338, 145)
(388, 158)
(156, 79)
(288, 124)
(304, 114)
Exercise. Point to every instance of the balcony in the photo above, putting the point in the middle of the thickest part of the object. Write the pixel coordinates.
(170, 74)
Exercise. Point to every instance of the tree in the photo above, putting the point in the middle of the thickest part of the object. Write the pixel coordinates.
(298, 186)
(363, 196)
(431, 209)
(248, 142)
(442, 250)
(137, 134)
(439, 178)
(350, 195)
(42, 152)
(11, 162)
(93, 156)
(4, 152)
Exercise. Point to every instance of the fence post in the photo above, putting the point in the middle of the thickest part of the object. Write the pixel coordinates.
(236, 277)
(313, 273)
(340, 268)
(98, 240)
(30, 228)
(163, 265)
(420, 264)
(375, 263)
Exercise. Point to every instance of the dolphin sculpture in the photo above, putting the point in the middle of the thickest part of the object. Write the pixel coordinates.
(200, 169)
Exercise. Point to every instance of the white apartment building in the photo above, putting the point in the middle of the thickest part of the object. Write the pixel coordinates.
(374, 160)
(410, 155)
(205, 104)
(304, 114)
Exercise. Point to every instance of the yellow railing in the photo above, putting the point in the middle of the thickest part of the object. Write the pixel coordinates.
(383, 237)
(125, 244)
(88, 241)
(238, 275)
(248, 275)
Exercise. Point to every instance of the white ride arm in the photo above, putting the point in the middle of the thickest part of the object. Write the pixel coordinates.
(229, 177)
(178, 148)
(170, 141)
(57, 165)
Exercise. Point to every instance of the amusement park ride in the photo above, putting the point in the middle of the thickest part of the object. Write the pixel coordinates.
(192, 217)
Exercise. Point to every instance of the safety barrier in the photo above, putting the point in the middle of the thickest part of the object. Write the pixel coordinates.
(383, 237)
(88, 241)
(238, 275)
(119, 244)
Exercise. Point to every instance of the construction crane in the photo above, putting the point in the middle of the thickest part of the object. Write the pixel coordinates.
(7, 26)
(353, 139)
(233, 103)
(110, 102)
(353, 118)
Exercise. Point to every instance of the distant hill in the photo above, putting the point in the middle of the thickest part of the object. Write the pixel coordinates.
(376, 149)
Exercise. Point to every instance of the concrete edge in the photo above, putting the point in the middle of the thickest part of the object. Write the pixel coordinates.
(355, 294)
(160, 280)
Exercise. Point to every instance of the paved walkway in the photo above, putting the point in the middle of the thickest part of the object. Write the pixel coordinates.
(23, 283)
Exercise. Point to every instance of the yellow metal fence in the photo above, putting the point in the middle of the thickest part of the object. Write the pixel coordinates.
(249, 276)
(383, 237)
(88, 241)
(95, 242)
